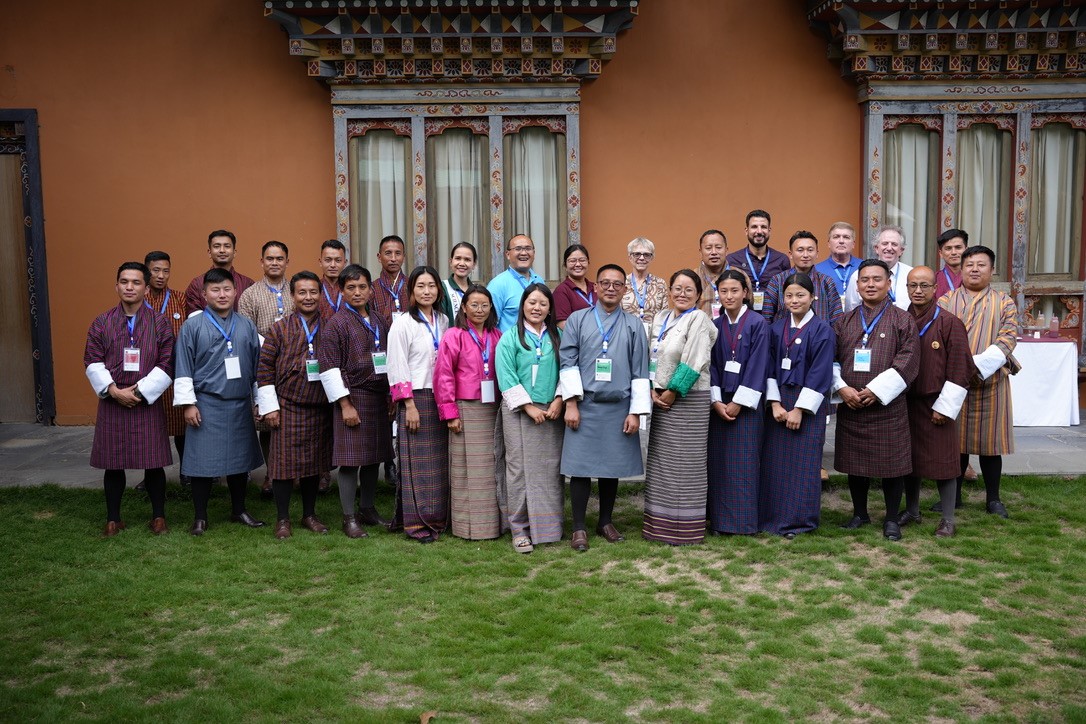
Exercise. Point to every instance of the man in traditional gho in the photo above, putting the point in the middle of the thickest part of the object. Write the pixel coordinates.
(222, 247)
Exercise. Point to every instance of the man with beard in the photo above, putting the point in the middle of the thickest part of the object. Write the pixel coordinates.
(757, 259)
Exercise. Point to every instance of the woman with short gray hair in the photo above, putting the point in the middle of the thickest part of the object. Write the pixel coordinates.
(645, 294)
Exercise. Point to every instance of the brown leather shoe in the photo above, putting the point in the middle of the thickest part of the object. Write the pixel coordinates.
(266, 489)
(313, 523)
(282, 528)
(352, 529)
(945, 529)
(199, 527)
(158, 526)
(324, 483)
(610, 534)
(370, 516)
(113, 527)
(579, 541)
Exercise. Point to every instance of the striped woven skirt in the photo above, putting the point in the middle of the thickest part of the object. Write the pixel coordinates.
(675, 475)
(370, 442)
(422, 493)
(735, 464)
(790, 497)
(986, 422)
(533, 495)
(130, 438)
(473, 489)
(302, 445)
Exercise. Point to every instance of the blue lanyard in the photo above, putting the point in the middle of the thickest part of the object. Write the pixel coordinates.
(750, 264)
(587, 297)
(131, 321)
(606, 335)
(278, 297)
(233, 323)
(893, 297)
(484, 350)
(309, 335)
(667, 321)
(641, 296)
(165, 301)
(925, 329)
(434, 331)
(869, 328)
(375, 331)
(523, 282)
(949, 281)
(844, 279)
(538, 342)
(334, 305)
(394, 292)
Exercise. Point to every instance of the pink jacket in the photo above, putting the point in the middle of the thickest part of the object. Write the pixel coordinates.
(458, 371)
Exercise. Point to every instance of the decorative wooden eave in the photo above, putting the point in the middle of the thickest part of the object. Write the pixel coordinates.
(364, 42)
(953, 40)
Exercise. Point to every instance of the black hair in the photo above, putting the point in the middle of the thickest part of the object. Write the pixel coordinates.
(153, 256)
(462, 314)
(572, 248)
(735, 274)
(873, 262)
(334, 244)
(509, 242)
(952, 234)
(979, 249)
(687, 273)
(304, 276)
(799, 278)
(710, 232)
(352, 272)
(273, 242)
(222, 232)
(412, 306)
(758, 212)
(217, 276)
(552, 326)
(801, 234)
(610, 267)
(394, 238)
(135, 266)
(465, 245)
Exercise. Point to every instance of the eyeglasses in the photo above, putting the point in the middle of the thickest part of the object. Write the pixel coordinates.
(683, 290)
(642, 254)
(522, 249)
(919, 285)
(611, 285)
(479, 306)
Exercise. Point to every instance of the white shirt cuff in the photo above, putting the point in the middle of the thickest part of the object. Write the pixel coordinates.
(183, 392)
(99, 377)
(714, 394)
(571, 383)
(989, 361)
(838, 381)
(640, 396)
(887, 385)
(950, 400)
(266, 400)
(332, 382)
(153, 385)
(772, 391)
(747, 397)
(516, 397)
(810, 400)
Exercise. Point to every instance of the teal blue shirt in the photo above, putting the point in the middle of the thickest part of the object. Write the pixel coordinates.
(506, 289)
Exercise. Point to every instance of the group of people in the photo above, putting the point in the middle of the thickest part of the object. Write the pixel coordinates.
(489, 397)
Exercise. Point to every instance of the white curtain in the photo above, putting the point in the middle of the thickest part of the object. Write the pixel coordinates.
(535, 194)
(1055, 232)
(912, 190)
(380, 194)
(984, 189)
(457, 174)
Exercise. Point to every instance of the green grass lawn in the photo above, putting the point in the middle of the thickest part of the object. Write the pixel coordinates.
(836, 625)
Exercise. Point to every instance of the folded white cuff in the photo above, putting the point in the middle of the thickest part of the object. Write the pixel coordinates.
(950, 400)
(747, 397)
(153, 385)
(810, 400)
(714, 394)
(887, 385)
(193, 314)
(640, 396)
(261, 338)
(571, 383)
(516, 397)
(772, 391)
(183, 392)
(332, 382)
(989, 361)
(99, 377)
(266, 399)
(838, 381)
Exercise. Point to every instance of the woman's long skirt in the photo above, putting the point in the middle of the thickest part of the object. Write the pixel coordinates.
(676, 484)
(422, 493)
(474, 491)
(735, 462)
(533, 486)
(790, 499)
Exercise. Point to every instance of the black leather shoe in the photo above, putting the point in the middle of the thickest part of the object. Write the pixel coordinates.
(997, 508)
(856, 522)
(198, 527)
(891, 530)
(370, 516)
(246, 519)
(908, 518)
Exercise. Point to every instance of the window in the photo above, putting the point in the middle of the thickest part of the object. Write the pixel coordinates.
(912, 187)
(984, 186)
(1056, 204)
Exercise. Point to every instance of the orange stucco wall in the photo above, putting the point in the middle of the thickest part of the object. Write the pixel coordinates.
(160, 123)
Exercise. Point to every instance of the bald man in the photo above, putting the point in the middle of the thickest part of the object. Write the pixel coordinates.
(934, 399)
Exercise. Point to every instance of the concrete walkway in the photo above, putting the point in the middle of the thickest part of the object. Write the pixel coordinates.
(37, 455)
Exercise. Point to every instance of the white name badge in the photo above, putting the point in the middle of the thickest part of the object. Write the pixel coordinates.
(131, 359)
(603, 370)
(396, 315)
(652, 370)
(786, 364)
(759, 301)
(732, 366)
(861, 360)
(486, 391)
(233, 368)
(716, 309)
(380, 363)
(535, 373)
(312, 370)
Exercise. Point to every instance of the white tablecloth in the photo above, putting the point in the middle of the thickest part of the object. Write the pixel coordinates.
(1045, 392)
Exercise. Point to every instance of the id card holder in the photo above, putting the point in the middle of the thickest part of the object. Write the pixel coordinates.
(396, 315)
(131, 359)
(486, 391)
(380, 363)
(716, 309)
(312, 370)
(535, 373)
(732, 366)
(603, 370)
(786, 363)
(652, 370)
(233, 368)
(759, 301)
(861, 360)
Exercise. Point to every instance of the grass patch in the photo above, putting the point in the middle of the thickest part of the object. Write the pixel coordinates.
(834, 625)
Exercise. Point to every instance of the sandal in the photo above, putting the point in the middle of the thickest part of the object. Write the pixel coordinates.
(523, 544)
